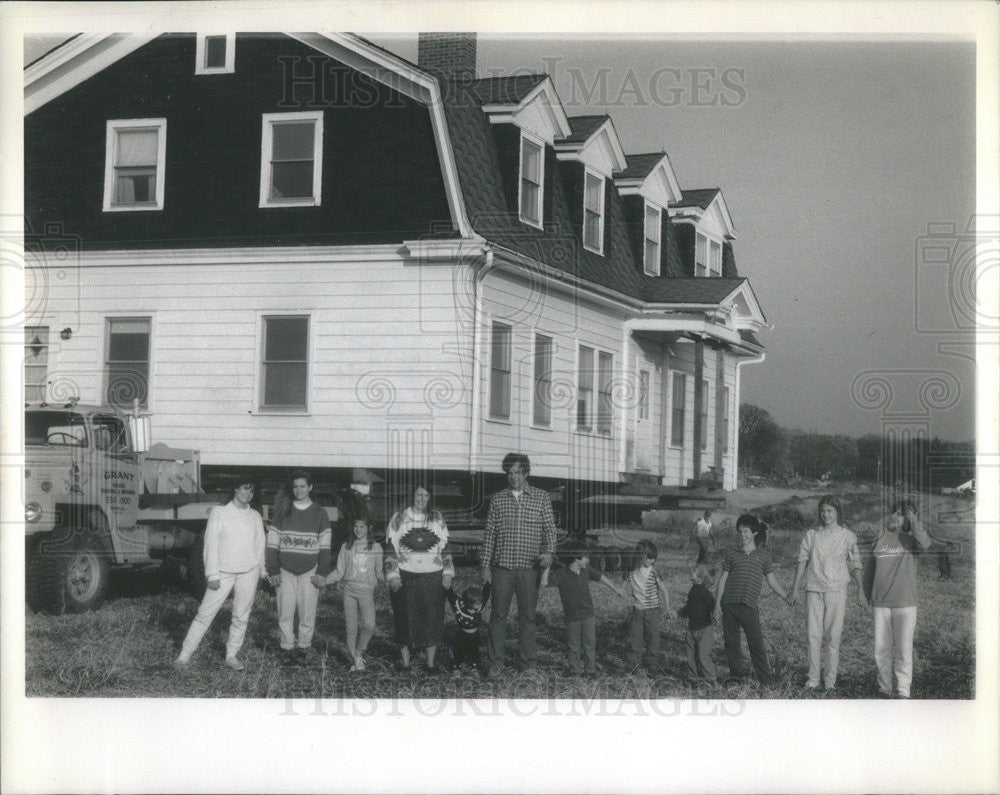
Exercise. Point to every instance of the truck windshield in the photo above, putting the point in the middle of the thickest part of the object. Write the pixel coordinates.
(63, 428)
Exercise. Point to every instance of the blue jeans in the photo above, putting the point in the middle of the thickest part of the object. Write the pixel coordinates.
(644, 637)
(581, 636)
(507, 583)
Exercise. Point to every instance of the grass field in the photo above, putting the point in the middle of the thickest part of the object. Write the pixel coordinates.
(127, 647)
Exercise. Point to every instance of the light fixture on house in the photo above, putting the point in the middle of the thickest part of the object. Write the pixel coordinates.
(66, 333)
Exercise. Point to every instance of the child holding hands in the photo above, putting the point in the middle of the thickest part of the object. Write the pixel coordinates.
(573, 582)
(359, 566)
(700, 636)
(649, 601)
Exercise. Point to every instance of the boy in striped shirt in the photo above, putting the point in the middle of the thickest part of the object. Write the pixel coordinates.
(649, 601)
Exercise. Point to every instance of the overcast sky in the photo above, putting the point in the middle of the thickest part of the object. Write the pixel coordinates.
(833, 158)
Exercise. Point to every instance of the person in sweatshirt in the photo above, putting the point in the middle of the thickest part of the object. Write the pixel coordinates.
(298, 561)
(700, 635)
(359, 568)
(234, 561)
(890, 583)
(828, 559)
(468, 609)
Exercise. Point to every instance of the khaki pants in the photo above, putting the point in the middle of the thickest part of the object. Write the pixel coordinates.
(824, 626)
(296, 593)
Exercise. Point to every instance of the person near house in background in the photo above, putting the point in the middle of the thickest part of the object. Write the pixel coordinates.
(234, 561)
(890, 582)
(702, 535)
(828, 559)
(520, 537)
(744, 570)
(298, 561)
(419, 570)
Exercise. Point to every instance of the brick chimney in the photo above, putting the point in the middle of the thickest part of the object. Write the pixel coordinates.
(448, 55)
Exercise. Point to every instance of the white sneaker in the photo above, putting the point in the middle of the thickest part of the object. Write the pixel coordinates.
(235, 664)
(182, 662)
(359, 663)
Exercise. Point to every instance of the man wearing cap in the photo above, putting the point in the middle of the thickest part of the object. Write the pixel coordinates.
(520, 538)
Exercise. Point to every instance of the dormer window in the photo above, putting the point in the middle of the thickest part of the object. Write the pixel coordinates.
(593, 212)
(135, 150)
(532, 181)
(707, 256)
(215, 53)
(651, 247)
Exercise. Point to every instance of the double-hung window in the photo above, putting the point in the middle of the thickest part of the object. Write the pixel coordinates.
(126, 362)
(605, 381)
(678, 396)
(500, 372)
(585, 388)
(722, 417)
(593, 212)
(715, 257)
(285, 363)
(215, 53)
(291, 159)
(651, 249)
(532, 181)
(701, 255)
(134, 160)
(36, 363)
(542, 410)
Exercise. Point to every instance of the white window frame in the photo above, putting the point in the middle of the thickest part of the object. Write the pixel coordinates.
(712, 256)
(674, 375)
(724, 416)
(532, 140)
(40, 388)
(546, 403)
(201, 52)
(261, 345)
(268, 120)
(110, 151)
(105, 380)
(648, 240)
(591, 174)
(605, 393)
(587, 423)
(509, 352)
(642, 407)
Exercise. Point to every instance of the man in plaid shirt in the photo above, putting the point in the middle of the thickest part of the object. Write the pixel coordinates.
(520, 538)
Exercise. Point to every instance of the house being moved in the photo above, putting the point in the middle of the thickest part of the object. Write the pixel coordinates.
(303, 250)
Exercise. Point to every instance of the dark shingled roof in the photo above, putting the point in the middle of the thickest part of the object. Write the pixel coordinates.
(582, 127)
(503, 90)
(749, 336)
(639, 166)
(689, 290)
(699, 197)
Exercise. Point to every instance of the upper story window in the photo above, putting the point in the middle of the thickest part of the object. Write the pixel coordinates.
(215, 53)
(291, 159)
(134, 159)
(651, 248)
(707, 256)
(532, 181)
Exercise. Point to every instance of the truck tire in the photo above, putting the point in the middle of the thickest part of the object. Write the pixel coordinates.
(196, 567)
(44, 583)
(85, 574)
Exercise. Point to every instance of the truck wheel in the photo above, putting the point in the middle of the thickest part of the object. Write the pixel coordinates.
(85, 575)
(45, 583)
(196, 567)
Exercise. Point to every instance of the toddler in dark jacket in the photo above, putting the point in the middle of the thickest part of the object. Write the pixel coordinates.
(700, 636)
(468, 609)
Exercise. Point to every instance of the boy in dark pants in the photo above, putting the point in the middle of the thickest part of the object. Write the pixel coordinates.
(700, 636)
(468, 610)
(573, 582)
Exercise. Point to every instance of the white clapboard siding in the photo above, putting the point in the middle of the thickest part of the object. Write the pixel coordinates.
(559, 450)
(389, 370)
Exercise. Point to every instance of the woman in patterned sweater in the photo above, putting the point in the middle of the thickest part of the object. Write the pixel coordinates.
(419, 569)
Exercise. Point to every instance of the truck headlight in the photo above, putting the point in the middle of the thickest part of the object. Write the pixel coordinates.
(32, 512)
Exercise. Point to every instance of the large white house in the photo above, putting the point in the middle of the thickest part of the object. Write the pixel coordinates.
(303, 250)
